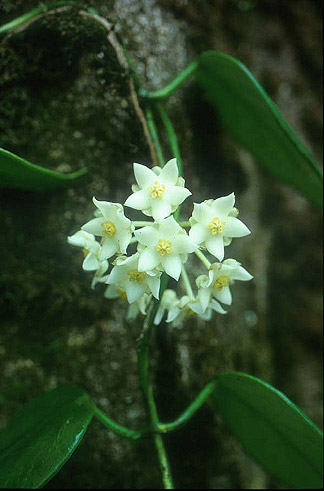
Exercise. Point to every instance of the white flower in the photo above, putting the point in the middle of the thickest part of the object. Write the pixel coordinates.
(165, 245)
(216, 284)
(114, 228)
(159, 191)
(126, 276)
(91, 249)
(214, 224)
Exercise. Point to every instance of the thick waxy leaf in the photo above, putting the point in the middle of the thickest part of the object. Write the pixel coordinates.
(254, 121)
(43, 436)
(276, 433)
(17, 173)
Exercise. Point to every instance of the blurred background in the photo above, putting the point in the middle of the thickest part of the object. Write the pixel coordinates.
(64, 105)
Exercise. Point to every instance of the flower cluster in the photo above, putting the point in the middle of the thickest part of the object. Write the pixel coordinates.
(163, 246)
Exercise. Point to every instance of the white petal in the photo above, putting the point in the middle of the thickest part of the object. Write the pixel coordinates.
(241, 274)
(222, 206)
(199, 233)
(216, 247)
(172, 265)
(143, 175)
(204, 295)
(159, 315)
(90, 263)
(80, 238)
(111, 292)
(176, 195)
(173, 314)
(143, 302)
(169, 228)
(160, 209)
(224, 295)
(148, 260)
(94, 226)
(154, 284)
(139, 200)
(116, 276)
(202, 213)
(182, 244)
(133, 291)
(235, 228)
(109, 248)
(203, 281)
(147, 235)
(106, 208)
(124, 239)
(121, 220)
(170, 172)
(217, 306)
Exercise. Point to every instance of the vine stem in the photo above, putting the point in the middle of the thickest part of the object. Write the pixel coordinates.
(117, 428)
(35, 14)
(154, 135)
(147, 389)
(171, 136)
(172, 86)
(190, 410)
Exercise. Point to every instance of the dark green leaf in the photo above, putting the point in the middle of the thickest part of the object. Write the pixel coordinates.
(16, 172)
(276, 433)
(43, 436)
(254, 120)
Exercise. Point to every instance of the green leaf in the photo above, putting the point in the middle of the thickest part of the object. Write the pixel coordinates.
(43, 436)
(276, 433)
(255, 122)
(16, 172)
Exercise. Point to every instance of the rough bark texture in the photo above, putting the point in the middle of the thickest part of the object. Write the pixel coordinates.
(65, 104)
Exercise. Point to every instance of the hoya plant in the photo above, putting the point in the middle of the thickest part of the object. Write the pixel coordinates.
(169, 267)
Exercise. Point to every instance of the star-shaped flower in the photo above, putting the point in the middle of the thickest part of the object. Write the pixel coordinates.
(214, 224)
(91, 249)
(127, 278)
(216, 284)
(114, 228)
(165, 245)
(158, 192)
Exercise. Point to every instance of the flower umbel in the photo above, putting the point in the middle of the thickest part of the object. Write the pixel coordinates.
(163, 246)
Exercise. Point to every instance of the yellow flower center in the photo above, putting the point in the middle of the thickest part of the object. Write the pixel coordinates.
(221, 282)
(108, 229)
(135, 275)
(164, 247)
(216, 226)
(122, 294)
(157, 190)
